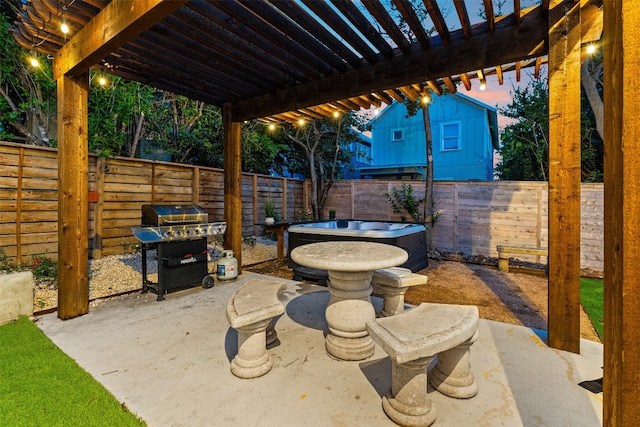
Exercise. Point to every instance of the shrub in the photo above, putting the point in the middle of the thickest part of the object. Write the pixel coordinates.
(403, 203)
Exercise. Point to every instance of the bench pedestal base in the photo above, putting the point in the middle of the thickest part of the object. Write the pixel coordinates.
(452, 374)
(407, 403)
(252, 359)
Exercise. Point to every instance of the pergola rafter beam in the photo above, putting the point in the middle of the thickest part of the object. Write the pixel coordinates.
(491, 49)
(117, 24)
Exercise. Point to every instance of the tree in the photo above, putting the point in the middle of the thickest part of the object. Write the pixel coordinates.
(192, 132)
(27, 93)
(117, 111)
(525, 144)
(412, 109)
(321, 150)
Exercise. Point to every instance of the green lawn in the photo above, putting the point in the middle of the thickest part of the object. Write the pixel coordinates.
(42, 386)
(592, 299)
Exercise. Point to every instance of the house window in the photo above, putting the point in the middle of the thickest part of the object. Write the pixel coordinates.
(397, 135)
(450, 136)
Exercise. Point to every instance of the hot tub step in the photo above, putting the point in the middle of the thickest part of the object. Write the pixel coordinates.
(311, 274)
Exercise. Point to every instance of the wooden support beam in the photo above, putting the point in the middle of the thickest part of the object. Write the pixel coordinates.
(450, 85)
(499, 74)
(461, 9)
(73, 204)
(564, 179)
(118, 23)
(409, 92)
(232, 162)
(464, 78)
(621, 214)
(434, 87)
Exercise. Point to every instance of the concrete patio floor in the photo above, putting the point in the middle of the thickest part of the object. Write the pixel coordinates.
(169, 362)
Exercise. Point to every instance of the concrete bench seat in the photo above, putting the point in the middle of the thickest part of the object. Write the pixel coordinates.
(250, 311)
(412, 340)
(392, 284)
(504, 251)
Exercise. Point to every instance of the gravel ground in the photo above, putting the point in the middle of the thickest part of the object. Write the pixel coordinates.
(115, 274)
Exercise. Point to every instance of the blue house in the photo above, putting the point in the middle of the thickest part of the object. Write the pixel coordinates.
(464, 135)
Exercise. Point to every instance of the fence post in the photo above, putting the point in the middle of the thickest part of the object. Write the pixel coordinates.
(195, 186)
(284, 199)
(99, 208)
(254, 204)
(19, 208)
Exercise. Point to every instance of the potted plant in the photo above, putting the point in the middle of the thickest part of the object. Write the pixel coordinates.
(270, 211)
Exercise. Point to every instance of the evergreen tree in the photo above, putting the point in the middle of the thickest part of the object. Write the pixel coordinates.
(525, 144)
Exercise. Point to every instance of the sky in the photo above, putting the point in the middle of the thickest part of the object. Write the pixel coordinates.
(497, 95)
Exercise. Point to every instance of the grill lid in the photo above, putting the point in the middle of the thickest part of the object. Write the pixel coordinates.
(157, 215)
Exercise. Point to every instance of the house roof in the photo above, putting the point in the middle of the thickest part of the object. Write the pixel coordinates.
(287, 60)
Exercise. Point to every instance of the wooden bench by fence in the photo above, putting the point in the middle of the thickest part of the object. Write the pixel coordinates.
(504, 251)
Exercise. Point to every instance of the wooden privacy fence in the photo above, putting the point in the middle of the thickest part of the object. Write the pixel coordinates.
(117, 190)
(475, 217)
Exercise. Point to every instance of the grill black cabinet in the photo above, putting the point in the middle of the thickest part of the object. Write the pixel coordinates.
(179, 232)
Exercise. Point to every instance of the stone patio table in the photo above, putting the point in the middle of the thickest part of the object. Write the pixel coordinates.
(350, 266)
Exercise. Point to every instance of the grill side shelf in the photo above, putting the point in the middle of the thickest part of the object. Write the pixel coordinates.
(178, 232)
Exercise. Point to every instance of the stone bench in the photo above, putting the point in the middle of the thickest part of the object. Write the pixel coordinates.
(392, 284)
(504, 251)
(250, 311)
(412, 340)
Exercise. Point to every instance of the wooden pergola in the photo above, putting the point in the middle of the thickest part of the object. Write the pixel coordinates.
(286, 60)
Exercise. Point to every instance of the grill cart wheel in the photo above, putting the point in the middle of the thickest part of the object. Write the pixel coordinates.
(208, 282)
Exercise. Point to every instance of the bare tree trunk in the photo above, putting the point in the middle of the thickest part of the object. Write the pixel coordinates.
(136, 136)
(428, 187)
(31, 137)
(589, 79)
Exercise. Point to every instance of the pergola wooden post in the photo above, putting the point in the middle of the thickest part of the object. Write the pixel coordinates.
(73, 206)
(115, 25)
(232, 183)
(564, 180)
(621, 213)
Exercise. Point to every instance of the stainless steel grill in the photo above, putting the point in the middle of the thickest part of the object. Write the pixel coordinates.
(180, 233)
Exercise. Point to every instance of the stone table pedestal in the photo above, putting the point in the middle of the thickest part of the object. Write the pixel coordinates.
(350, 266)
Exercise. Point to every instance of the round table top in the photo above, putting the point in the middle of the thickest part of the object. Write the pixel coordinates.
(348, 256)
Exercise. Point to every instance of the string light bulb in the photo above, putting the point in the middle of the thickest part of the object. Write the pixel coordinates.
(591, 49)
(301, 122)
(426, 99)
(272, 127)
(336, 114)
(64, 27)
(102, 81)
(483, 84)
(33, 60)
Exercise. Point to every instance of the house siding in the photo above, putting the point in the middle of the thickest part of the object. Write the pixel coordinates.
(473, 159)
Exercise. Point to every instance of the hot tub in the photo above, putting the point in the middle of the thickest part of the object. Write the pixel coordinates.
(408, 236)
